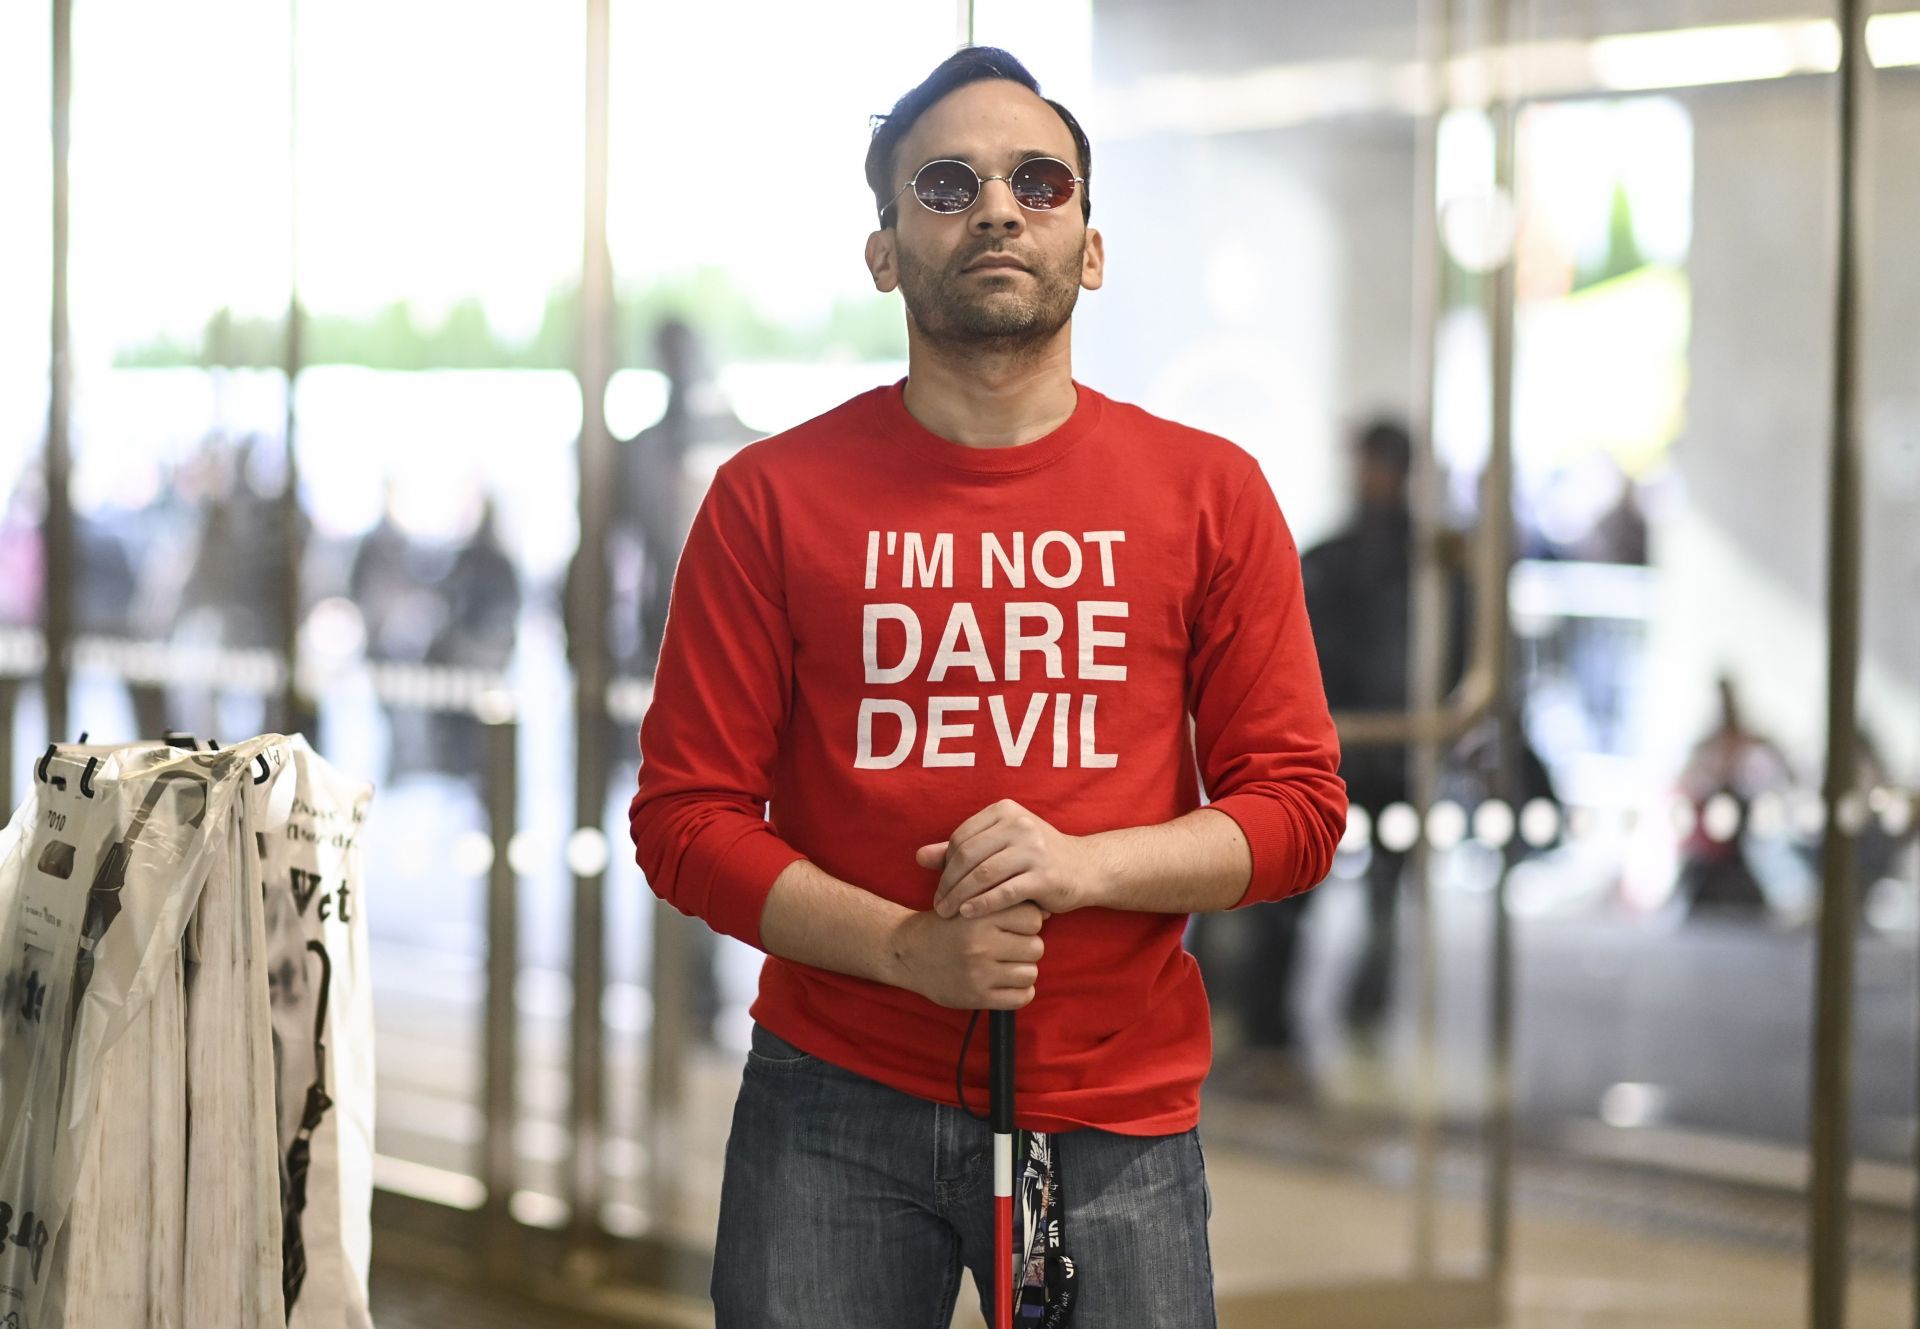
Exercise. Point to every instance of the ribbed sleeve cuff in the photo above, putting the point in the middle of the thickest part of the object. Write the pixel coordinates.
(742, 879)
(1274, 841)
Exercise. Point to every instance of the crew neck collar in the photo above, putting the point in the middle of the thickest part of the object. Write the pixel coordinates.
(1017, 460)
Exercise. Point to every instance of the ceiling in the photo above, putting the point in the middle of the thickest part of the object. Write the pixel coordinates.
(1133, 37)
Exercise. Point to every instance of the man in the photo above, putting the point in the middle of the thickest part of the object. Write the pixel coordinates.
(1356, 587)
(953, 631)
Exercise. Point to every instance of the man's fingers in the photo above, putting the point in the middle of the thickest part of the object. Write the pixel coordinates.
(1017, 976)
(1014, 890)
(987, 874)
(973, 825)
(1020, 948)
(1024, 918)
(963, 859)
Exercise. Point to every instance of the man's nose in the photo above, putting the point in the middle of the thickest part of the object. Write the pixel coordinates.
(996, 212)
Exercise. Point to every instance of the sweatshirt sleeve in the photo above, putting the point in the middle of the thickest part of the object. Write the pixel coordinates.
(1266, 745)
(712, 731)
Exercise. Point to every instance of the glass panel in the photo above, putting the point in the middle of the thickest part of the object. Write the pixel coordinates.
(1271, 248)
(1675, 361)
(440, 194)
(179, 263)
(1888, 778)
(26, 297)
(744, 308)
(1671, 361)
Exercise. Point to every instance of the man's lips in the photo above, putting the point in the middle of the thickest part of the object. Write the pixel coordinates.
(995, 263)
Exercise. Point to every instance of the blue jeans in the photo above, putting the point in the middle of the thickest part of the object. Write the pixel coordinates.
(846, 1202)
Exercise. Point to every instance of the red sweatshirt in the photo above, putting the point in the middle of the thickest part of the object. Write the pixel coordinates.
(881, 632)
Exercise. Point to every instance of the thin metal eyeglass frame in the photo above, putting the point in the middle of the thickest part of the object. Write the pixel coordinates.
(980, 185)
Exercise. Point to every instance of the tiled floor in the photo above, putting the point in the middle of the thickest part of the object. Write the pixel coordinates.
(1305, 1196)
(417, 1301)
(1586, 1256)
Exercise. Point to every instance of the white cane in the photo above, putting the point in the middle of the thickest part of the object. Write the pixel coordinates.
(1000, 1115)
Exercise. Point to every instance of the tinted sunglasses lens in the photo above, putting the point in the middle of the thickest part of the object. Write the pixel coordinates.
(946, 186)
(1042, 183)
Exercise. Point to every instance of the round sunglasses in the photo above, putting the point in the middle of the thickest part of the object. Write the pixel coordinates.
(1039, 184)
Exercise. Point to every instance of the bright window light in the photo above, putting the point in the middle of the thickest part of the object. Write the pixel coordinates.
(1273, 96)
(1893, 40)
(1692, 57)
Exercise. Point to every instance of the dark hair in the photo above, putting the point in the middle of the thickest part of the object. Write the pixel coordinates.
(1387, 443)
(969, 64)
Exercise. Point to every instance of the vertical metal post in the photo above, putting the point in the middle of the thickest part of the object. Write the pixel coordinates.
(296, 713)
(588, 621)
(964, 21)
(1496, 520)
(9, 700)
(1428, 624)
(60, 572)
(500, 1091)
(1831, 1144)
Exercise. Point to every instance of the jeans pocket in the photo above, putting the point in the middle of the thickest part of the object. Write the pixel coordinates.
(767, 1048)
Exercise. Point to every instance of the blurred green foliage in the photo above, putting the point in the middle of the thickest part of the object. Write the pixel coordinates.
(1623, 254)
(731, 326)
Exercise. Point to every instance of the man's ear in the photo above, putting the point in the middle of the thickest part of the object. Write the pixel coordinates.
(881, 260)
(1093, 261)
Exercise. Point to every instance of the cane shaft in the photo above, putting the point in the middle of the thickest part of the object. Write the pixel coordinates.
(1000, 1085)
(1000, 1114)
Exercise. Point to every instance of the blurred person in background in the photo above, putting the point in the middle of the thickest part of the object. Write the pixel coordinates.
(1737, 764)
(655, 498)
(226, 593)
(379, 582)
(110, 549)
(872, 615)
(236, 578)
(1620, 533)
(1357, 586)
(169, 535)
(657, 495)
(396, 581)
(481, 596)
(658, 498)
(1876, 847)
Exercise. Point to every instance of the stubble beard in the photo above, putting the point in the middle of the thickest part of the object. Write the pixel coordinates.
(972, 315)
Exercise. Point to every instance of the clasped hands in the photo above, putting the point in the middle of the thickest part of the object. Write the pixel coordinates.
(1003, 855)
(1003, 872)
